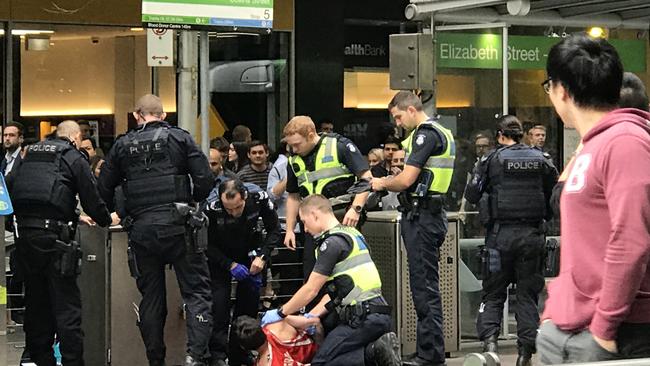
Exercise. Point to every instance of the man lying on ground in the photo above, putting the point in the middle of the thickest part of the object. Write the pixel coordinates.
(292, 341)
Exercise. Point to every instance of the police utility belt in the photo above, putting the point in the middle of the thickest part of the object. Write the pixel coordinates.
(359, 311)
(413, 205)
(68, 262)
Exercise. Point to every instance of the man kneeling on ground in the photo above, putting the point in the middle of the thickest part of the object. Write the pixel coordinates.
(291, 342)
(345, 269)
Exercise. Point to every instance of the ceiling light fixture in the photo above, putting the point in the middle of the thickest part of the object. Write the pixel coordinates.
(596, 32)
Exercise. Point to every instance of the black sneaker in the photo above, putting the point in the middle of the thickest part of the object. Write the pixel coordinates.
(385, 350)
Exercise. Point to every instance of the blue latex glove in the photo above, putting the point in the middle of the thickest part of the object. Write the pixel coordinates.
(240, 272)
(311, 330)
(256, 281)
(270, 317)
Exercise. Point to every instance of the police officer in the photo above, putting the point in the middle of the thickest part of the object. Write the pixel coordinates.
(344, 267)
(238, 250)
(154, 163)
(512, 185)
(327, 164)
(429, 162)
(44, 196)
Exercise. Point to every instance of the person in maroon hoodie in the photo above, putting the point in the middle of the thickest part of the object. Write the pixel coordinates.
(599, 306)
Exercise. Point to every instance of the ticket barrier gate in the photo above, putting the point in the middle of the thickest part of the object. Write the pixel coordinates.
(110, 299)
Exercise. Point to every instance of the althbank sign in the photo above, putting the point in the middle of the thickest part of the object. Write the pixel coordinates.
(483, 51)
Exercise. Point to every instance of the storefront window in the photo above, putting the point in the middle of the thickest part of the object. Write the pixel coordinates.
(84, 73)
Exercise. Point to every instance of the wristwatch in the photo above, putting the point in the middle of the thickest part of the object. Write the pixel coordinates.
(358, 209)
(280, 313)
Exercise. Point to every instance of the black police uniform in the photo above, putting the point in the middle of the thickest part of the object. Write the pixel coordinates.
(345, 344)
(44, 198)
(350, 156)
(512, 186)
(423, 235)
(154, 163)
(237, 240)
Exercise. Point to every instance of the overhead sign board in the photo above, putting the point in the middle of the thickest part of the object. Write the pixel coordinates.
(483, 51)
(208, 14)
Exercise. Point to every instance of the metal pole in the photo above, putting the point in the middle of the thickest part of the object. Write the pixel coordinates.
(504, 66)
(8, 117)
(9, 79)
(155, 81)
(187, 93)
(504, 45)
(433, 64)
(204, 69)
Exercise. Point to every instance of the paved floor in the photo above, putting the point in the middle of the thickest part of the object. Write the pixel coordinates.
(15, 345)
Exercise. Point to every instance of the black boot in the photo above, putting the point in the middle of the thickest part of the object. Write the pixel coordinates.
(524, 358)
(384, 351)
(491, 344)
(191, 361)
(156, 362)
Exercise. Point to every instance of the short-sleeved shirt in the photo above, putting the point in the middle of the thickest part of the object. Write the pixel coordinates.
(427, 142)
(349, 155)
(332, 250)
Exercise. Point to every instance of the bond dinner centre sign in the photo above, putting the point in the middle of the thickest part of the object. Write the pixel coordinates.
(483, 51)
(207, 14)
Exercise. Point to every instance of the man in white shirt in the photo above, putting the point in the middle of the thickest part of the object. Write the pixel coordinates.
(12, 140)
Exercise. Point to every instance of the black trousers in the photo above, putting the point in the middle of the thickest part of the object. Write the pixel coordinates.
(519, 249)
(247, 299)
(423, 236)
(345, 345)
(154, 247)
(52, 302)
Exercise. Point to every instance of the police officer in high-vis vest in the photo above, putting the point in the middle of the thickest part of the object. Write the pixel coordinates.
(327, 164)
(44, 195)
(428, 167)
(361, 334)
(161, 170)
(513, 186)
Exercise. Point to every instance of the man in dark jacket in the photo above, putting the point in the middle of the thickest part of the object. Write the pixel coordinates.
(44, 194)
(154, 164)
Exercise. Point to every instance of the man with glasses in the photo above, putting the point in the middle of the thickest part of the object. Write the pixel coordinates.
(598, 306)
(482, 144)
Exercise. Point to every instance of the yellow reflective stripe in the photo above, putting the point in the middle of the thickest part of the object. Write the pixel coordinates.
(356, 295)
(352, 262)
(323, 173)
(440, 162)
(329, 146)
